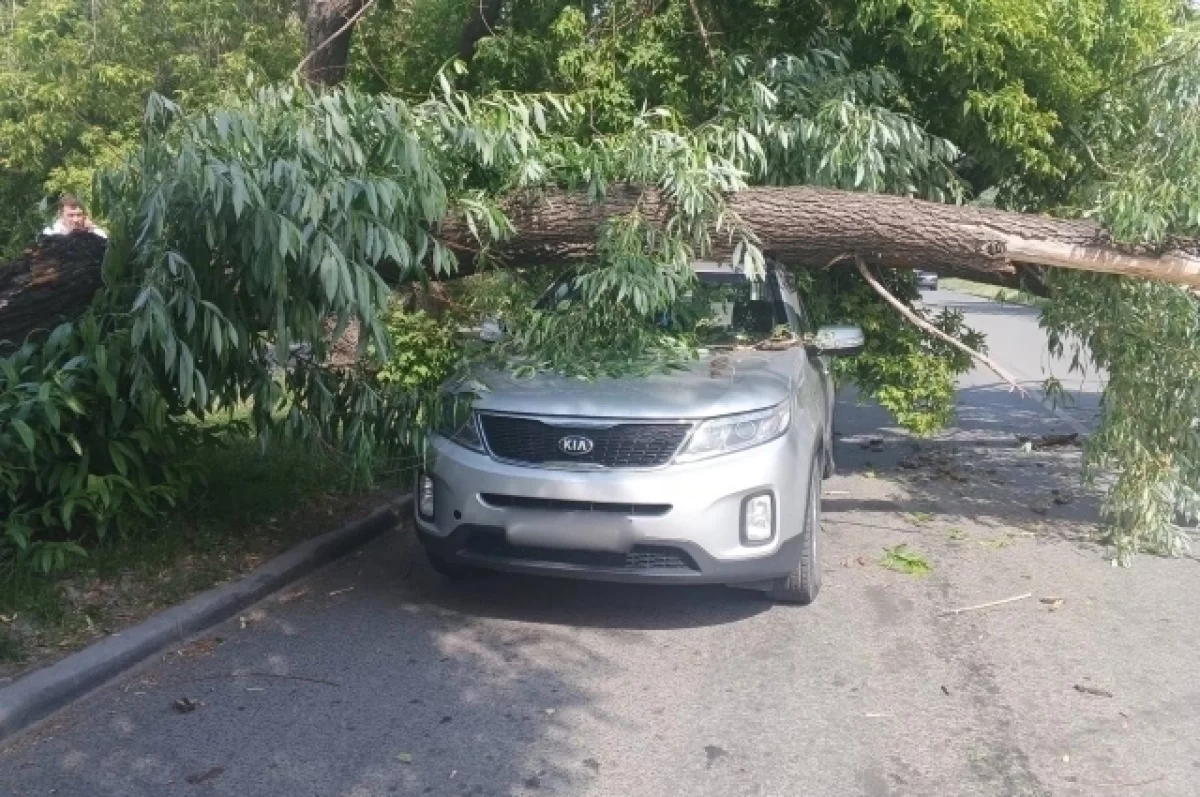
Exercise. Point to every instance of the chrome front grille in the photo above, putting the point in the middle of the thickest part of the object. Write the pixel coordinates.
(624, 444)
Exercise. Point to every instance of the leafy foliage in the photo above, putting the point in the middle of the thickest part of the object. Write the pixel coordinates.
(74, 77)
(242, 232)
(236, 236)
(424, 351)
(247, 237)
(903, 559)
(78, 457)
(1145, 337)
(1011, 80)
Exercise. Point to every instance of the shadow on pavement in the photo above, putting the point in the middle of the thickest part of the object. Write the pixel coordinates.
(601, 605)
(374, 677)
(976, 471)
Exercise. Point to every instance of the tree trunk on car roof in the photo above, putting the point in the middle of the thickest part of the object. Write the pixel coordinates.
(815, 227)
(799, 226)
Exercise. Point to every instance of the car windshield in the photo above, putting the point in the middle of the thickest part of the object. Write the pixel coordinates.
(729, 309)
(722, 308)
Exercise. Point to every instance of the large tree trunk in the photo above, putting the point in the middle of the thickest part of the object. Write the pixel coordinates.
(815, 227)
(329, 27)
(52, 282)
(799, 226)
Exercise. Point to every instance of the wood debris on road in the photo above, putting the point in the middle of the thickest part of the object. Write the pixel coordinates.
(988, 605)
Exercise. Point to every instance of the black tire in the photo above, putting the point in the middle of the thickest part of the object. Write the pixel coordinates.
(802, 585)
(828, 466)
(453, 571)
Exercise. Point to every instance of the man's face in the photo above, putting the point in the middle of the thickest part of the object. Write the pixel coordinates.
(74, 219)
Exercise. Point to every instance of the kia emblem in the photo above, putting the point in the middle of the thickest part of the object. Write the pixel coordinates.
(576, 445)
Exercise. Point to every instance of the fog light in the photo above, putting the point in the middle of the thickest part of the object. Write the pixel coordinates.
(758, 519)
(425, 497)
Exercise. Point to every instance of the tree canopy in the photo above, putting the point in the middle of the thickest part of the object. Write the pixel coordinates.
(254, 220)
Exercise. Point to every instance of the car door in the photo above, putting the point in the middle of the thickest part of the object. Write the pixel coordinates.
(821, 366)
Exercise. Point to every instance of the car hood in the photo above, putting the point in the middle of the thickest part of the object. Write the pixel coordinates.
(719, 383)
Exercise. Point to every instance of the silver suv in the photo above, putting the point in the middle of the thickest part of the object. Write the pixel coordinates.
(707, 475)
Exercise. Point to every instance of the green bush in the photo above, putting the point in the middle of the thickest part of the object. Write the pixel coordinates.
(424, 351)
(77, 460)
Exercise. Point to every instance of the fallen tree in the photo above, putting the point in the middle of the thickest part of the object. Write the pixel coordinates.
(801, 226)
(277, 221)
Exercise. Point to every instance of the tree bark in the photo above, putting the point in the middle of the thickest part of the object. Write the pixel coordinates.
(814, 227)
(328, 30)
(481, 20)
(799, 226)
(50, 283)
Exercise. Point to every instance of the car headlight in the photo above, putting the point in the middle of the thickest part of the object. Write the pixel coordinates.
(736, 432)
(458, 423)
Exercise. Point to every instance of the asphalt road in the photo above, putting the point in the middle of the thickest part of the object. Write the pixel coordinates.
(374, 677)
(1016, 342)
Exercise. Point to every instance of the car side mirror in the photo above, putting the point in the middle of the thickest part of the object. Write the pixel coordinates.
(838, 341)
(491, 331)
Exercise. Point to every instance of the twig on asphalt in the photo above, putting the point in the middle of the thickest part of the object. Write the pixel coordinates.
(1091, 690)
(988, 605)
(1112, 784)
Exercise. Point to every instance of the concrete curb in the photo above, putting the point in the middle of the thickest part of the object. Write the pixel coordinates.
(45, 691)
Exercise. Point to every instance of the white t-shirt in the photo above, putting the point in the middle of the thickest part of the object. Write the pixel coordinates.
(58, 228)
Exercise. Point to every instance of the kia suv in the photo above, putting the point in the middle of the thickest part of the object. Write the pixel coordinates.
(711, 474)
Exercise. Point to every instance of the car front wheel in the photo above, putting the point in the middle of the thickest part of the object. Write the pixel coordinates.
(802, 585)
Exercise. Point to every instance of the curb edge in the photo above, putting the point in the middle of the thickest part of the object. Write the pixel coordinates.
(44, 691)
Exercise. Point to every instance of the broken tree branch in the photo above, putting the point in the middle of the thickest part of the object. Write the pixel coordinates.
(712, 58)
(930, 329)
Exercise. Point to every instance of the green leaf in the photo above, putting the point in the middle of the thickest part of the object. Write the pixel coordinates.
(329, 276)
(25, 432)
(186, 372)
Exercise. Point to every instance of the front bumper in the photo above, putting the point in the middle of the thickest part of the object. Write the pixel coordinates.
(678, 524)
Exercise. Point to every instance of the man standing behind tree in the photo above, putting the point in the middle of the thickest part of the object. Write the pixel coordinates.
(72, 218)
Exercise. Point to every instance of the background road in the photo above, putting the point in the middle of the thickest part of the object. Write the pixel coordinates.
(374, 677)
